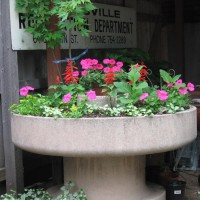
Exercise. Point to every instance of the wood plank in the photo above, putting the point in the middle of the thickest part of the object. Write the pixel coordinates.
(9, 76)
(2, 174)
(179, 43)
(54, 70)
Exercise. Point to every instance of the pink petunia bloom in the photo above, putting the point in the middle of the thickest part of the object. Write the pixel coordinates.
(190, 87)
(99, 66)
(91, 94)
(137, 66)
(106, 61)
(23, 91)
(67, 98)
(116, 69)
(94, 61)
(84, 73)
(75, 73)
(112, 62)
(170, 85)
(178, 82)
(162, 95)
(144, 96)
(106, 69)
(86, 63)
(183, 90)
(30, 88)
(119, 64)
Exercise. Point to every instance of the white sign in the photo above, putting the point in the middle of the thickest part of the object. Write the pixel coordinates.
(110, 26)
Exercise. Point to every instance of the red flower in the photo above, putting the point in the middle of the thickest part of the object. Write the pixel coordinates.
(143, 72)
(69, 73)
(110, 77)
(58, 80)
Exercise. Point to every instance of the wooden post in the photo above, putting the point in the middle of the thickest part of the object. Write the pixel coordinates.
(179, 43)
(54, 70)
(9, 95)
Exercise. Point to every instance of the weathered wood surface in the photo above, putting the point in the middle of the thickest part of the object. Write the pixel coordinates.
(9, 95)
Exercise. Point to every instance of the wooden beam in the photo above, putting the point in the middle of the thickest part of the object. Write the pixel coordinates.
(10, 93)
(54, 70)
(179, 42)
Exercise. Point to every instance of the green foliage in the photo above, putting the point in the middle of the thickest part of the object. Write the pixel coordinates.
(69, 192)
(167, 78)
(29, 194)
(130, 93)
(132, 98)
(92, 77)
(30, 105)
(70, 14)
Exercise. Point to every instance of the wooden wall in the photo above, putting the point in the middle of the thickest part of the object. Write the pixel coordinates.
(9, 95)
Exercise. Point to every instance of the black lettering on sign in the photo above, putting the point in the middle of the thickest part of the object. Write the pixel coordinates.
(110, 26)
(98, 39)
(104, 12)
(64, 40)
(22, 21)
(74, 39)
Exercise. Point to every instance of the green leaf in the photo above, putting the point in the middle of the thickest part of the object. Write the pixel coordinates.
(134, 75)
(124, 100)
(175, 78)
(165, 76)
(123, 87)
(142, 85)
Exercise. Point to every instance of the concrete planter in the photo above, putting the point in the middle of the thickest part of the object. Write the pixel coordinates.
(106, 156)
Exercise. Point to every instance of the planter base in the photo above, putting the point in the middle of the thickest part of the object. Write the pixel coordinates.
(112, 178)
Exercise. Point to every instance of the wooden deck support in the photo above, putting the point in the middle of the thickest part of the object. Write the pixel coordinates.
(9, 95)
(179, 44)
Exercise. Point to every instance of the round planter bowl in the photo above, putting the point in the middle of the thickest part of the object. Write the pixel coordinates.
(106, 156)
(112, 136)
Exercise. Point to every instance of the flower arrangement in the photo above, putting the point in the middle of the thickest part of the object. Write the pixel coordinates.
(134, 95)
(95, 74)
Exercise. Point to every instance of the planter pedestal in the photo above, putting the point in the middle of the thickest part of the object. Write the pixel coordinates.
(116, 178)
(106, 156)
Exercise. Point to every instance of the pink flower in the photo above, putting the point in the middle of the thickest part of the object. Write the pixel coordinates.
(30, 88)
(112, 61)
(170, 85)
(116, 69)
(23, 91)
(162, 95)
(94, 61)
(91, 94)
(84, 73)
(190, 87)
(67, 98)
(99, 66)
(178, 82)
(86, 63)
(119, 64)
(75, 73)
(144, 96)
(183, 90)
(106, 69)
(137, 66)
(106, 61)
